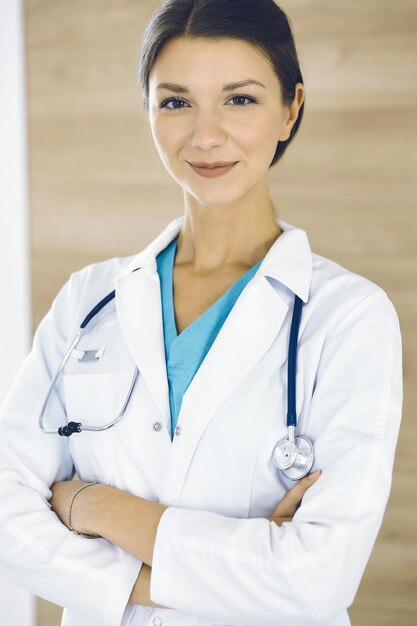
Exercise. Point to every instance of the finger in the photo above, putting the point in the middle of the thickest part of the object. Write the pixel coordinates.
(299, 489)
(297, 492)
(280, 520)
(291, 500)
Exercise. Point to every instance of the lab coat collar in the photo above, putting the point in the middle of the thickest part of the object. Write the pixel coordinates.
(289, 260)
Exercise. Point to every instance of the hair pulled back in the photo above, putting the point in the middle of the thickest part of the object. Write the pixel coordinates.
(259, 22)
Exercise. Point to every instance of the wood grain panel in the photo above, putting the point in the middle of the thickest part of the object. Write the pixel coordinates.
(98, 189)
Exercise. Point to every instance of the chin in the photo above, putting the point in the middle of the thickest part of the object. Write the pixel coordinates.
(213, 200)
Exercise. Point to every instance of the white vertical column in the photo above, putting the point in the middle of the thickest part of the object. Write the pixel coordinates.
(17, 607)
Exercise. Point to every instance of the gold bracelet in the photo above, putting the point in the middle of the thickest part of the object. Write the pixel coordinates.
(70, 510)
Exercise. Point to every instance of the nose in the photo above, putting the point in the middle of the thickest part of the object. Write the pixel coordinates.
(208, 130)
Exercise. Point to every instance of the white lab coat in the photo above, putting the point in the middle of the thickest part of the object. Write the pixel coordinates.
(217, 559)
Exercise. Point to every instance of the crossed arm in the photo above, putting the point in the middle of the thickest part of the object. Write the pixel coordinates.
(131, 522)
(120, 517)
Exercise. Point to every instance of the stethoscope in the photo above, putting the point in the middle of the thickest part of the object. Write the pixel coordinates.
(293, 455)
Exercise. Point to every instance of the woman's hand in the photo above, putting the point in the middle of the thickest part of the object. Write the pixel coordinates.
(286, 508)
(62, 494)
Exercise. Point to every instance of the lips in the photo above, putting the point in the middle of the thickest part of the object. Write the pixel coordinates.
(213, 170)
(214, 164)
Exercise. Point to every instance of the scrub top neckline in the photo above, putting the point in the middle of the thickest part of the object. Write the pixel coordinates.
(171, 252)
(185, 352)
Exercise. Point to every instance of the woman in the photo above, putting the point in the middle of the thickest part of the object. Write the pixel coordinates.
(192, 522)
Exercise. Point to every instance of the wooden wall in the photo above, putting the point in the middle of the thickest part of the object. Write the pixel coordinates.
(98, 189)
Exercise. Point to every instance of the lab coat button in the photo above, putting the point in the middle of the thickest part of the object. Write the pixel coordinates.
(178, 430)
(157, 621)
(157, 426)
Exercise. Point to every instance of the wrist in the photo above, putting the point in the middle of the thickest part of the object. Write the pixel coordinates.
(83, 510)
(141, 592)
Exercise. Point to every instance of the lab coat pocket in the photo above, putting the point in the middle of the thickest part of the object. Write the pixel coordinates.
(90, 399)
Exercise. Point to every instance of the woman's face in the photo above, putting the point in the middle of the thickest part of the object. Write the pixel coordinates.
(201, 117)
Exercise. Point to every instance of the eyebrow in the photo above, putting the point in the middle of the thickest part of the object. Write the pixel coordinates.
(228, 87)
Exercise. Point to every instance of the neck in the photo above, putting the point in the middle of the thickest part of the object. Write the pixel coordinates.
(215, 238)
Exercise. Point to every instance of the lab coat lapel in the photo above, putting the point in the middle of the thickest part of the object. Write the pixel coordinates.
(250, 328)
(139, 311)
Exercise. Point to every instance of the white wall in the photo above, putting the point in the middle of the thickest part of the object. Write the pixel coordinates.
(17, 607)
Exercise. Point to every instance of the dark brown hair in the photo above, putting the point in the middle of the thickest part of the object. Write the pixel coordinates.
(259, 22)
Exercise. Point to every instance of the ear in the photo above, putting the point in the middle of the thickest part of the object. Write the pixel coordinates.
(292, 112)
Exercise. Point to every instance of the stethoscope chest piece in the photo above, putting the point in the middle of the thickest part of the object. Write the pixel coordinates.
(294, 458)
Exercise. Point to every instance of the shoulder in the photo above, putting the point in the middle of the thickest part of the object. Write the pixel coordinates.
(329, 277)
(330, 290)
(87, 286)
(339, 295)
(100, 275)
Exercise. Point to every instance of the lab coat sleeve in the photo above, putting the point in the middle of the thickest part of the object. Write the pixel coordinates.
(91, 577)
(251, 571)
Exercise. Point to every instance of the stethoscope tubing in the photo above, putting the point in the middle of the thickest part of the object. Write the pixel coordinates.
(96, 310)
(292, 363)
(296, 454)
(53, 431)
(73, 427)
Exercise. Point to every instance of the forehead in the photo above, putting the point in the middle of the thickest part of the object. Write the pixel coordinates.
(188, 59)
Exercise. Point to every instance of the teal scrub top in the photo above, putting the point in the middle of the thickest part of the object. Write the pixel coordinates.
(185, 352)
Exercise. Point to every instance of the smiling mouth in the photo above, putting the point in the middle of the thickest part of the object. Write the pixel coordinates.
(214, 165)
(212, 171)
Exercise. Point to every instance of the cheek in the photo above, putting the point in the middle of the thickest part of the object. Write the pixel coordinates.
(257, 135)
(167, 136)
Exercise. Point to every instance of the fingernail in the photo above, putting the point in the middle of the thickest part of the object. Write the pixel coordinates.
(315, 474)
